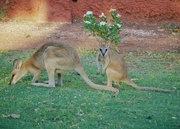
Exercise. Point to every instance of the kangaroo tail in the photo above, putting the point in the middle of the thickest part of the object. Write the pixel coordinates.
(128, 81)
(81, 71)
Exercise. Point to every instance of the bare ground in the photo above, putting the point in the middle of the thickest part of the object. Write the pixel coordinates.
(16, 35)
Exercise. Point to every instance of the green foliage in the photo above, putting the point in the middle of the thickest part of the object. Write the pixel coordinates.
(171, 26)
(175, 29)
(2, 12)
(75, 105)
(107, 31)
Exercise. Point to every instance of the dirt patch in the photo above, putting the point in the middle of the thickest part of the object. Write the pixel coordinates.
(141, 11)
(19, 35)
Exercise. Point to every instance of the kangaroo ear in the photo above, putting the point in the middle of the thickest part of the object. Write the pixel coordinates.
(17, 64)
(107, 43)
(98, 42)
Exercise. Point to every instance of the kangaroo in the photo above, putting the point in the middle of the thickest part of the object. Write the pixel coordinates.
(115, 68)
(52, 57)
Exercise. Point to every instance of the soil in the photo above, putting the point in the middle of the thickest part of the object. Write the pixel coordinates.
(26, 35)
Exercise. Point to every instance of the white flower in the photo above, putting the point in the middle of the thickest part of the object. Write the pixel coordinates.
(87, 22)
(89, 12)
(102, 23)
(118, 15)
(119, 25)
(111, 10)
(102, 15)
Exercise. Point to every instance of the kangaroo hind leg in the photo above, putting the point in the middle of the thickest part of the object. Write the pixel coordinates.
(117, 83)
(51, 83)
(59, 81)
(129, 82)
(36, 74)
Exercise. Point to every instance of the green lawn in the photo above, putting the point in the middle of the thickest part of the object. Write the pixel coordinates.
(75, 105)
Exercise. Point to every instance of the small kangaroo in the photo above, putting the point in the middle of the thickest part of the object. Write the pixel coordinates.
(115, 68)
(52, 57)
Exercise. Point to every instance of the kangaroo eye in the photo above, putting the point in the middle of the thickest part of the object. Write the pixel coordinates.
(100, 49)
(105, 50)
(13, 75)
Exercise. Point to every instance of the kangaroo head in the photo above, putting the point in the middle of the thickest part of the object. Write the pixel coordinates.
(16, 73)
(103, 49)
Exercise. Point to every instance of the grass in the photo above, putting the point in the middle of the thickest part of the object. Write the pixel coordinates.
(75, 105)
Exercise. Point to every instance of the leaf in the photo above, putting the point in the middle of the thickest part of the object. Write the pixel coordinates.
(37, 109)
(15, 116)
(173, 33)
(174, 117)
(6, 115)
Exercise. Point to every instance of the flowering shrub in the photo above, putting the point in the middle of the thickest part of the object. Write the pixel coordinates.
(107, 31)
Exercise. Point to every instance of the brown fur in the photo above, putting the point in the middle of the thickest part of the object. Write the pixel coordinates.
(52, 57)
(115, 68)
